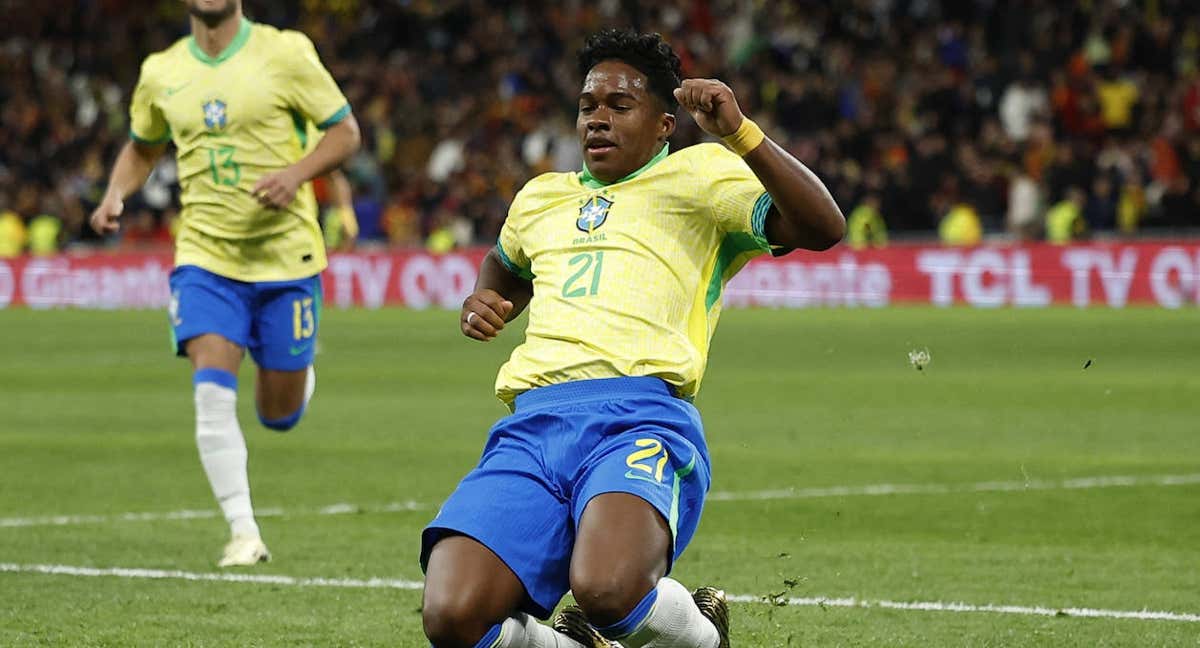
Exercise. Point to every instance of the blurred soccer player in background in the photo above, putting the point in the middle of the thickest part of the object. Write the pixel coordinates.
(235, 98)
(596, 481)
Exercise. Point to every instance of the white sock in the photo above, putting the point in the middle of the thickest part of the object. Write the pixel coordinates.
(223, 454)
(310, 384)
(524, 631)
(673, 622)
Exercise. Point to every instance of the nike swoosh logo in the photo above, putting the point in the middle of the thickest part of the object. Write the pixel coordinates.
(297, 350)
(632, 475)
(171, 91)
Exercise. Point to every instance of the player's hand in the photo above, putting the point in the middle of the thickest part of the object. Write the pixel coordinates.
(277, 190)
(104, 217)
(711, 104)
(483, 315)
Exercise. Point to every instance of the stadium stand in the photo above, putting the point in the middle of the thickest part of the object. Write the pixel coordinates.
(1088, 111)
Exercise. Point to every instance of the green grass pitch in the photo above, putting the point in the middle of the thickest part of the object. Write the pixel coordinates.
(978, 450)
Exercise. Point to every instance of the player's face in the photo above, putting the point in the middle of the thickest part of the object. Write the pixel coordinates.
(212, 12)
(620, 124)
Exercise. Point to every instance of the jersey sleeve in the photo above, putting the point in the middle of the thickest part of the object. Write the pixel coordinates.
(508, 246)
(311, 88)
(740, 203)
(146, 122)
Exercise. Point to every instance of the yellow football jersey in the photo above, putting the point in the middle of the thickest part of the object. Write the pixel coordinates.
(627, 277)
(235, 118)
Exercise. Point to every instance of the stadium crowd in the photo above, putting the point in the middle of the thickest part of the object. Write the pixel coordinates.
(963, 117)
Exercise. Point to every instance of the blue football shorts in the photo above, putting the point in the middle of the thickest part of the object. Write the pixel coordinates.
(563, 445)
(275, 320)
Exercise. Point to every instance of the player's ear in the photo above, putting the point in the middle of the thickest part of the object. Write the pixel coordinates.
(666, 126)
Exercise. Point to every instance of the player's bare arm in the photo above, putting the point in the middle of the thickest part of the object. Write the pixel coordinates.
(133, 166)
(343, 201)
(340, 142)
(499, 297)
(804, 213)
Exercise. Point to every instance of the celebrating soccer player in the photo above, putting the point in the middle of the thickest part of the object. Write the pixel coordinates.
(235, 98)
(595, 483)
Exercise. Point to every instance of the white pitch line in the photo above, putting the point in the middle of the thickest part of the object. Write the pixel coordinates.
(1081, 483)
(940, 606)
(401, 584)
(868, 490)
(226, 577)
(332, 509)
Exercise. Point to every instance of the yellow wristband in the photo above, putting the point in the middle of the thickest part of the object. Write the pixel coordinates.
(746, 138)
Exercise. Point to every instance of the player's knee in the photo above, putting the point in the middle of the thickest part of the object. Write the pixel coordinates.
(281, 423)
(607, 595)
(452, 621)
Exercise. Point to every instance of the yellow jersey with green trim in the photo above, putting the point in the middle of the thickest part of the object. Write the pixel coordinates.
(235, 118)
(627, 277)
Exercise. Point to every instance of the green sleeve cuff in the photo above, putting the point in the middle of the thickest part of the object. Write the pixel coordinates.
(758, 216)
(335, 119)
(147, 141)
(523, 273)
(758, 225)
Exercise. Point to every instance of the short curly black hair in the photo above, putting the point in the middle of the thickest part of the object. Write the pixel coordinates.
(646, 53)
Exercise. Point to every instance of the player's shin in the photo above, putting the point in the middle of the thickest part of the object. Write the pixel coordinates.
(667, 617)
(222, 447)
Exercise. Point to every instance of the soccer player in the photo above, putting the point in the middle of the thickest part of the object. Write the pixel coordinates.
(235, 97)
(596, 481)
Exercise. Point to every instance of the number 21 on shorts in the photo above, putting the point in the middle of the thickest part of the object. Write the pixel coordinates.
(647, 463)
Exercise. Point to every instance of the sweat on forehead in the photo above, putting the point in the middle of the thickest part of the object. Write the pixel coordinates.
(616, 74)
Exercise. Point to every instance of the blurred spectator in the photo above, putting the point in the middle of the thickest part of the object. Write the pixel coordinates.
(1023, 101)
(961, 226)
(13, 235)
(1100, 212)
(1024, 207)
(1117, 96)
(865, 226)
(45, 233)
(1131, 206)
(1064, 221)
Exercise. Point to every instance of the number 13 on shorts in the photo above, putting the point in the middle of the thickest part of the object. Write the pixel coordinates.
(303, 322)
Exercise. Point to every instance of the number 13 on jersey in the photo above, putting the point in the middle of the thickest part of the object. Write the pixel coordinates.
(585, 280)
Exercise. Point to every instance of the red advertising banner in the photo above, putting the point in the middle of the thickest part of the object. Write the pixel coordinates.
(1114, 275)
(1165, 274)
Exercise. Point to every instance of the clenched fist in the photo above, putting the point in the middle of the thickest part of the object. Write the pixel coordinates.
(711, 104)
(104, 217)
(483, 314)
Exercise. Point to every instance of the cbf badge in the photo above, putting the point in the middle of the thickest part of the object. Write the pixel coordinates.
(593, 213)
(214, 114)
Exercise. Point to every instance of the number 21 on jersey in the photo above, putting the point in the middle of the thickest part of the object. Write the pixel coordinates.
(585, 280)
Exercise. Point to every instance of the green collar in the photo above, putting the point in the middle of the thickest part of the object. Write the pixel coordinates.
(236, 44)
(591, 182)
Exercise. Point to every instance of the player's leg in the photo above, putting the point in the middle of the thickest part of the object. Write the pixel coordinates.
(618, 578)
(210, 321)
(642, 494)
(282, 396)
(283, 343)
(472, 599)
(498, 551)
